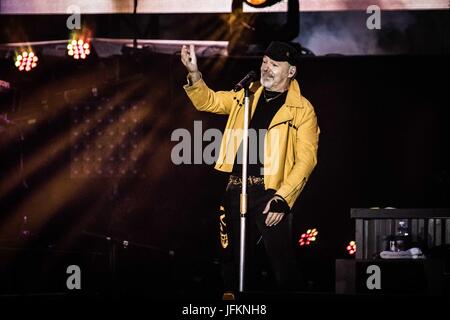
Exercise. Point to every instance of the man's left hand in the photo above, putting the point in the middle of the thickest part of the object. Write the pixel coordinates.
(273, 218)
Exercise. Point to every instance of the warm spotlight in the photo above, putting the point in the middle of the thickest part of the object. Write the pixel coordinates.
(78, 49)
(307, 238)
(26, 60)
(261, 3)
(256, 2)
(351, 248)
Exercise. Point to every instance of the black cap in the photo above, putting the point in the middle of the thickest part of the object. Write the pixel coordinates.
(282, 51)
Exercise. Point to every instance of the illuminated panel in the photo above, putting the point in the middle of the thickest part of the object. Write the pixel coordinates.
(347, 5)
(204, 6)
(105, 138)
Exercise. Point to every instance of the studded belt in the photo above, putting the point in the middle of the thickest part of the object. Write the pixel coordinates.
(251, 180)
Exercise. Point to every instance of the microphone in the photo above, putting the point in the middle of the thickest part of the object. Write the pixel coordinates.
(251, 76)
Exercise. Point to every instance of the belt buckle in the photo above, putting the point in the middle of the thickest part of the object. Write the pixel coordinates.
(234, 180)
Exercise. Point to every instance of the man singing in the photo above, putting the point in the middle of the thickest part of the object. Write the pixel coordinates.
(288, 147)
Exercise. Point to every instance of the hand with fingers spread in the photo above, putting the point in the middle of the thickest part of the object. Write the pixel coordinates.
(189, 59)
(275, 209)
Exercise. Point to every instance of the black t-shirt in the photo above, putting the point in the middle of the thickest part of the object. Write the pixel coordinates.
(268, 105)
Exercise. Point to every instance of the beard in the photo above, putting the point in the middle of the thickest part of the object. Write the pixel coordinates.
(267, 80)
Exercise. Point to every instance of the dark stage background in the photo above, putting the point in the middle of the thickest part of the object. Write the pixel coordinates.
(384, 142)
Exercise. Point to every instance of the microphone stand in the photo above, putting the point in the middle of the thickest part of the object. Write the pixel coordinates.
(243, 199)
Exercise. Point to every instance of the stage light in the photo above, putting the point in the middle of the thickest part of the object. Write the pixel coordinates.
(307, 238)
(26, 61)
(351, 248)
(261, 3)
(256, 2)
(78, 49)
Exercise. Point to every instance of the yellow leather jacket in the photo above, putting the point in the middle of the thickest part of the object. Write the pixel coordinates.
(291, 141)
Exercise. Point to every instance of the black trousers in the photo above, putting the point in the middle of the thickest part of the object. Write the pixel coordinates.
(277, 241)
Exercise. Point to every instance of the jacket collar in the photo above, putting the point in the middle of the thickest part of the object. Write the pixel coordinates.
(293, 98)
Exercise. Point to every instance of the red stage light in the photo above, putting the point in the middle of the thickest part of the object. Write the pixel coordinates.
(27, 60)
(351, 248)
(308, 237)
(78, 49)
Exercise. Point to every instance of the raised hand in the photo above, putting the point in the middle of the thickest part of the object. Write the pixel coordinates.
(189, 59)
